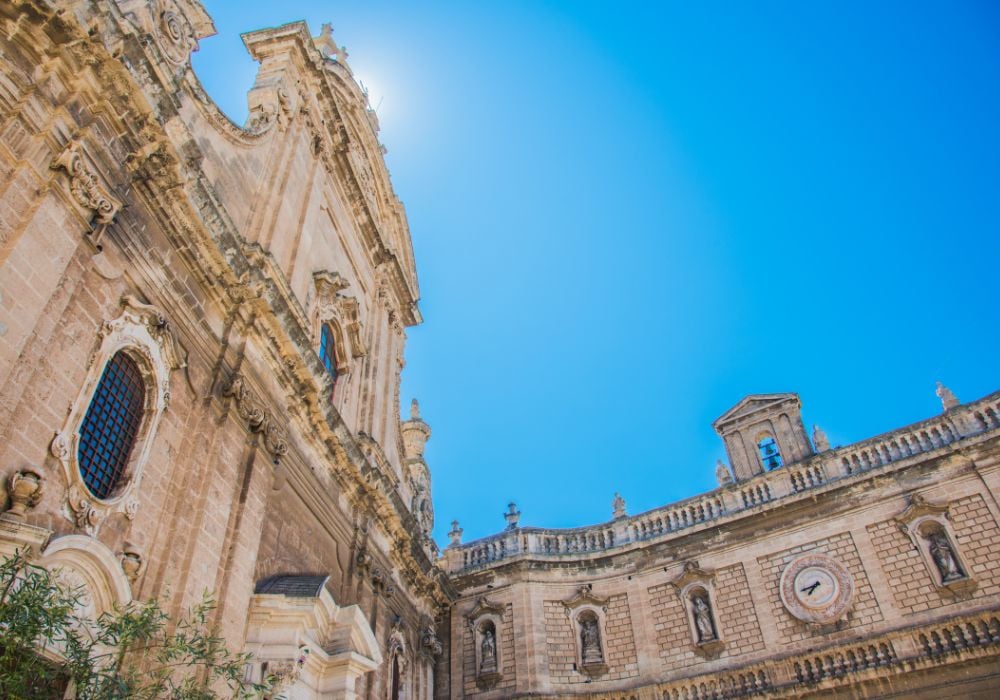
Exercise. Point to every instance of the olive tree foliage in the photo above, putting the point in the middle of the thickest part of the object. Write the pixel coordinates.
(134, 651)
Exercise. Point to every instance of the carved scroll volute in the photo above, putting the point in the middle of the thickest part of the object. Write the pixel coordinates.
(258, 419)
(85, 187)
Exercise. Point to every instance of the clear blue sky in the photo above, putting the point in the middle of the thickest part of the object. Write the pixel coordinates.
(627, 216)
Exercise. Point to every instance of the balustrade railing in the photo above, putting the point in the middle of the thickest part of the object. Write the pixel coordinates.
(814, 472)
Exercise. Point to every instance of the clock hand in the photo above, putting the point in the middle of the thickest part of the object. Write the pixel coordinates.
(812, 588)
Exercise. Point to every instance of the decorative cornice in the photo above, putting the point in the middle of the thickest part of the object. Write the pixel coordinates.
(692, 573)
(919, 507)
(485, 606)
(585, 596)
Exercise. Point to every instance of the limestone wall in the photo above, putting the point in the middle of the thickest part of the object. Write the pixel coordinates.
(137, 218)
(903, 629)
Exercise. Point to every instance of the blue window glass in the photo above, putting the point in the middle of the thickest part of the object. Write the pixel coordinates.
(109, 430)
(769, 453)
(328, 353)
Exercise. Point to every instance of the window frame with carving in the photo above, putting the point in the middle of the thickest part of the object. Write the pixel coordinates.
(140, 331)
(340, 315)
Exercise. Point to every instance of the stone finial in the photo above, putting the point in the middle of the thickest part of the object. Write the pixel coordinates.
(948, 399)
(415, 433)
(618, 506)
(722, 473)
(131, 561)
(455, 534)
(820, 440)
(512, 516)
(25, 490)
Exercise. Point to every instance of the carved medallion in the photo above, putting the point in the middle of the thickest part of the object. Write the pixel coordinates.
(817, 589)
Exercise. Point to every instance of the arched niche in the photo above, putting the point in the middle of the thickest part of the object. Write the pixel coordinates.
(928, 526)
(85, 563)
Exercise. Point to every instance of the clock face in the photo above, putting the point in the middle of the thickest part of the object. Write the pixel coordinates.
(816, 588)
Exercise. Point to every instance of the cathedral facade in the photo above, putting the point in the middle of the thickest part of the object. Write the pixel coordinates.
(202, 329)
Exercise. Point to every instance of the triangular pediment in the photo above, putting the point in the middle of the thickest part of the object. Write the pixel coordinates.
(752, 404)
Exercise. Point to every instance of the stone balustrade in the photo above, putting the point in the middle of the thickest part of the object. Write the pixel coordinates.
(960, 640)
(789, 481)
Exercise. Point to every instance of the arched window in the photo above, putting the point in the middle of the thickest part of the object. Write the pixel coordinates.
(110, 427)
(328, 353)
(769, 453)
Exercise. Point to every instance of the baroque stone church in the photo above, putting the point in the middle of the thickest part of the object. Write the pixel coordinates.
(202, 329)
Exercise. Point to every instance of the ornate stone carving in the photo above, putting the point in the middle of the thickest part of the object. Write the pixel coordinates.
(363, 560)
(430, 645)
(174, 35)
(585, 596)
(84, 185)
(84, 514)
(382, 583)
(132, 561)
(59, 447)
(25, 490)
(258, 419)
(343, 310)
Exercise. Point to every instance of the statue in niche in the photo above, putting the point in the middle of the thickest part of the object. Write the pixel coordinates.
(703, 620)
(944, 557)
(488, 652)
(590, 642)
